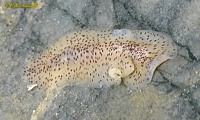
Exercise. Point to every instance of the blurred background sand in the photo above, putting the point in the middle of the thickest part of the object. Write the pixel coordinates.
(174, 93)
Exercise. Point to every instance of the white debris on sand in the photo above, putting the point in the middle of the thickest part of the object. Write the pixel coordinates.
(31, 87)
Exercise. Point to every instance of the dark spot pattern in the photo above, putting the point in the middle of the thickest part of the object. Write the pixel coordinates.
(84, 57)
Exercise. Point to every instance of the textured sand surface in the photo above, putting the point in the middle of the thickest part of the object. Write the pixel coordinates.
(172, 94)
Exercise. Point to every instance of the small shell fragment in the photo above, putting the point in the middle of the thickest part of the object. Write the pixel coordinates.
(31, 87)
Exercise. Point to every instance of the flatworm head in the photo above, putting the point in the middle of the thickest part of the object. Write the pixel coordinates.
(151, 49)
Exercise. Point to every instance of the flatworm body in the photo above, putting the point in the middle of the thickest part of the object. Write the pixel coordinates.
(99, 58)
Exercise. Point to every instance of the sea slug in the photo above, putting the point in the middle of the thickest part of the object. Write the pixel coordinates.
(98, 58)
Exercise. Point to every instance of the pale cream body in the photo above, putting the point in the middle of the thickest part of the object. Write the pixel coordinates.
(97, 58)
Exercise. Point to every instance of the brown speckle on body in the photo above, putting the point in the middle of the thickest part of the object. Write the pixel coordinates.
(99, 58)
